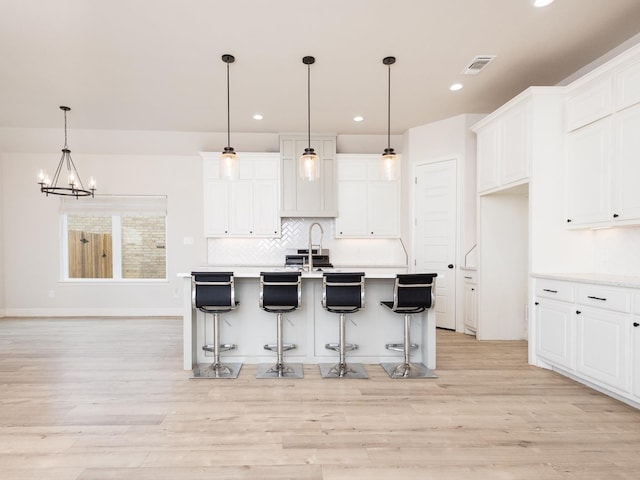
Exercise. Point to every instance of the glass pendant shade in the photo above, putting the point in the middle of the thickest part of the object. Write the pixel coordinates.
(229, 166)
(309, 165)
(388, 164)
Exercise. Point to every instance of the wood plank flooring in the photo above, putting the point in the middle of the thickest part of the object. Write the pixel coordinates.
(106, 399)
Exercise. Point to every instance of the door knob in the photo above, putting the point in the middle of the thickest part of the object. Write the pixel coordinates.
(450, 265)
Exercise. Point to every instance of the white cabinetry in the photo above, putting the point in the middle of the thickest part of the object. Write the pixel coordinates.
(470, 301)
(368, 206)
(635, 345)
(554, 323)
(504, 146)
(591, 337)
(603, 120)
(243, 207)
(302, 198)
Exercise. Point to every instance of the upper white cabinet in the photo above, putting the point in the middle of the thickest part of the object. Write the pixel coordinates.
(603, 146)
(589, 102)
(368, 206)
(243, 207)
(302, 198)
(504, 146)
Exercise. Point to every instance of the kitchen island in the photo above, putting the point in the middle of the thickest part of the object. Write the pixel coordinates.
(310, 327)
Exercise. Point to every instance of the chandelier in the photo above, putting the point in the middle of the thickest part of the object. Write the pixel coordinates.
(73, 186)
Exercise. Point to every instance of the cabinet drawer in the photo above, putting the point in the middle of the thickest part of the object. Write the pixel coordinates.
(470, 276)
(556, 290)
(607, 298)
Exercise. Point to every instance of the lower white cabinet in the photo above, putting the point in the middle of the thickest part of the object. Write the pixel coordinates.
(554, 332)
(589, 331)
(470, 302)
(602, 346)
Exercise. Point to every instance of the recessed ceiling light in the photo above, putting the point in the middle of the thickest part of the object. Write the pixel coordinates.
(257, 116)
(455, 87)
(358, 118)
(542, 3)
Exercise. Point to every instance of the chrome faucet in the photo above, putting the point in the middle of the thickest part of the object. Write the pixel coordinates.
(310, 262)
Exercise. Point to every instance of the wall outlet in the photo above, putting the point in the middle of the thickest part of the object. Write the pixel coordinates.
(52, 293)
(187, 240)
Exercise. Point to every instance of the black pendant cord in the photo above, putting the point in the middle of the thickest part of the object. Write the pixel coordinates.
(389, 111)
(228, 110)
(309, 105)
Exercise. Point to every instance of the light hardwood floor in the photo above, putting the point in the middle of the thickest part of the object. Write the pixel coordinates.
(89, 399)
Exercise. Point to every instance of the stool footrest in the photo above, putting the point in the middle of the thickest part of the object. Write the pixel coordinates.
(272, 347)
(336, 347)
(399, 347)
(224, 347)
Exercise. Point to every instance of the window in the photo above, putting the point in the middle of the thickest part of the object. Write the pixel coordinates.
(114, 237)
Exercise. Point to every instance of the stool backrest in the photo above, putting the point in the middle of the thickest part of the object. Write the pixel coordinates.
(343, 291)
(280, 291)
(414, 290)
(213, 291)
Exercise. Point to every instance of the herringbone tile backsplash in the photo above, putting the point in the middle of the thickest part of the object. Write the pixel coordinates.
(295, 234)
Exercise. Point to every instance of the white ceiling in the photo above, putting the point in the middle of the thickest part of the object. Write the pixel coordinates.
(155, 64)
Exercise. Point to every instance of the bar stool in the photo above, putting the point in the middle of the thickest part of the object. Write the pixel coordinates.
(342, 293)
(412, 293)
(215, 293)
(280, 292)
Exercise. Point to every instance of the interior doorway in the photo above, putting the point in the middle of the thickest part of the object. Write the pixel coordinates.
(435, 233)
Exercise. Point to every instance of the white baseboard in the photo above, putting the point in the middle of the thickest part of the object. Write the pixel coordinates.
(93, 312)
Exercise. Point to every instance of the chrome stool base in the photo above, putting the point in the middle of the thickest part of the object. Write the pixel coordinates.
(216, 370)
(408, 370)
(280, 370)
(342, 370)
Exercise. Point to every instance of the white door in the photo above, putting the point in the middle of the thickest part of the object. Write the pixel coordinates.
(435, 233)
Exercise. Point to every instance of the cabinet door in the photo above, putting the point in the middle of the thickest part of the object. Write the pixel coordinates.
(603, 348)
(516, 144)
(635, 333)
(627, 86)
(555, 332)
(266, 221)
(588, 176)
(216, 207)
(241, 211)
(489, 153)
(469, 302)
(383, 204)
(589, 102)
(301, 197)
(352, 209)
(626, 166)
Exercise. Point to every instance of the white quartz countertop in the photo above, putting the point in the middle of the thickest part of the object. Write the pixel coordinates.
(596, 278)
(254, 271)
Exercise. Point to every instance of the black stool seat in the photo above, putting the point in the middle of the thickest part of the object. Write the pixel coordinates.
(342, 293)
(214, 292)
(412, 294)
(280, 293)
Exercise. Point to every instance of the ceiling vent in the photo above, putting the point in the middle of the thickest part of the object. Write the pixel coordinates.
(478, 64)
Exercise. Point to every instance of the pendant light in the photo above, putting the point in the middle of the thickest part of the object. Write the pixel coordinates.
(229, 159)
(74, 187)
(389, 159)
(309, 164)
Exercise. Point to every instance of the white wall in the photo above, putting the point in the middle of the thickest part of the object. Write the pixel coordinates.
(2, 242)
(617, 251)
(33, 234)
